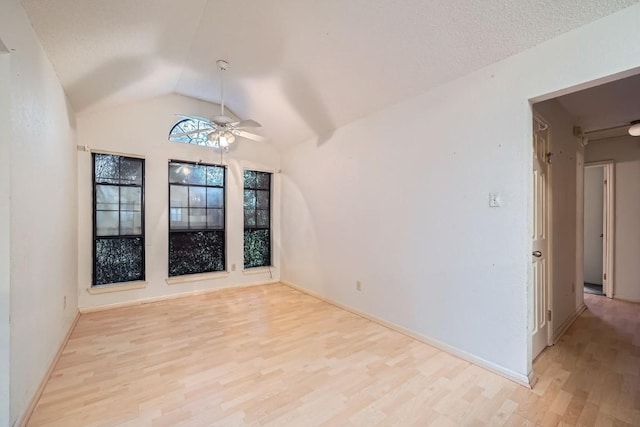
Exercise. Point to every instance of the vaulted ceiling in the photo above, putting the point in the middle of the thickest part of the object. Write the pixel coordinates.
(300, 67)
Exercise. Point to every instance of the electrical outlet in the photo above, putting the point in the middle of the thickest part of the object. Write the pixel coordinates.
(64, 302)
(358, 285)
(233, 267)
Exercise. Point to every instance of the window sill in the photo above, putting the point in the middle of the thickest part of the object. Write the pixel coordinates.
(105, 289)
(258, 270)
(196, 277)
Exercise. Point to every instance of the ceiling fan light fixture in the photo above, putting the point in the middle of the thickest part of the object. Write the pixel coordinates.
(634, 130)
(230, 137)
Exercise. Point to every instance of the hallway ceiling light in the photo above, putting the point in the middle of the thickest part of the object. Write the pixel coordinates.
(634, 130)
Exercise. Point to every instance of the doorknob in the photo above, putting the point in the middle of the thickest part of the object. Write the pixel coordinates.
(536, 254)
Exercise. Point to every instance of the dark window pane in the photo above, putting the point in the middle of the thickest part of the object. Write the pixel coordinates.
(196, 252)
(118, 260)
(107, 197)
(262, 218)
(249, 199)
(263, 200)
(131, 199)
(130, 171)
(215, 218)
(197, 197)
(215, 197)
(257, 251)
(249, 218)
(198, 175)
(179, 173)
(107, 168)
(118, 211)
(197, 218)
(178, 196)
(263, 180)
(178, 218)
(250, 179)
(257, 219)
(215, 176)
(107, 223)
(130, 223)
(195, 206)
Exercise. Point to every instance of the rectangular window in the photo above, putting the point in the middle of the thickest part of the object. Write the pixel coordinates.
(118, 219)
(257, 219)
(196, 218)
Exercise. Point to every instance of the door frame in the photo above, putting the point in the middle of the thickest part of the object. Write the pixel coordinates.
(5, 232)
(608, 219)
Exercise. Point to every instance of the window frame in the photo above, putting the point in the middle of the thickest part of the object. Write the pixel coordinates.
(199, 138)
(269, 229)
(95, 236)
(171, 231)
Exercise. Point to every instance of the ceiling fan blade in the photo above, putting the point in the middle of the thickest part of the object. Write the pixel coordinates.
(221, 120)
(246, 124)
(198, 118)
(191, 132)
(248, 135)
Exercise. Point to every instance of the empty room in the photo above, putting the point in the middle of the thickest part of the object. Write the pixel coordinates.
(298, 213)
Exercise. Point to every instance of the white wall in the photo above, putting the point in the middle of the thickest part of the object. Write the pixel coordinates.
(593, 199)
(399, 199)
(5, 231)
(565, 148)
(43, 209)
(625, 151)
(141, 128)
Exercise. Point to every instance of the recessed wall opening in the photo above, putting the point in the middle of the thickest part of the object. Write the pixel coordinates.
(593, 180)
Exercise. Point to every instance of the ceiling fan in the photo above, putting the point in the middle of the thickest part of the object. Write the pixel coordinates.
(221, 130)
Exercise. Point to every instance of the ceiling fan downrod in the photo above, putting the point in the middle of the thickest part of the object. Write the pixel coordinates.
(222, 66)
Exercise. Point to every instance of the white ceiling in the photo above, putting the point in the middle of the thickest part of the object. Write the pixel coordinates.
(605, 106)
(300, 67)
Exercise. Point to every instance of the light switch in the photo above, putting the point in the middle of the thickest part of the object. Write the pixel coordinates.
(494, 200)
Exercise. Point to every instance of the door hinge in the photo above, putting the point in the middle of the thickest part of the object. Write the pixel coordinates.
(605, 276)
(549, 315)
(548, 157)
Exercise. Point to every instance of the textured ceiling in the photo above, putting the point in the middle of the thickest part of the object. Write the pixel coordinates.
(605, 106)
(300, 67)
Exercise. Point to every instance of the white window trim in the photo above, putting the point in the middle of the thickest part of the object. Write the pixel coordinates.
(117, 287)
(258, 270)
(187, 278)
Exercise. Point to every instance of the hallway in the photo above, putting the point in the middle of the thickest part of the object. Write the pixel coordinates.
(592, 376)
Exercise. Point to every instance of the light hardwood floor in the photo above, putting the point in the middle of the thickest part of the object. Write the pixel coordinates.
(273, 356)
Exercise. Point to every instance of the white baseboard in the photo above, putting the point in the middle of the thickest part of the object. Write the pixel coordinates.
(533, 380)
(524, 380)
(633, 301)
(567, 323)
(36, 397)
(149, 300)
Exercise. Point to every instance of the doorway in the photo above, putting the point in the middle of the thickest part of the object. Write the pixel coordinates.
(598, 228)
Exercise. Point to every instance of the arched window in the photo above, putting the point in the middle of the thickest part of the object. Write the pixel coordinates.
(191, 131)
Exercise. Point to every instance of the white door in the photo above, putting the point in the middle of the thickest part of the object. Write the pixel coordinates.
(540, 324)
